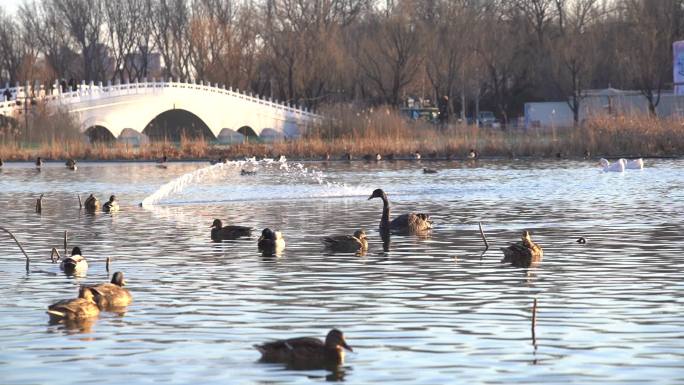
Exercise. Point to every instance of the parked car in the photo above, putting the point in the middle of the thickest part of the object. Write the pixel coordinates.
(487, 119)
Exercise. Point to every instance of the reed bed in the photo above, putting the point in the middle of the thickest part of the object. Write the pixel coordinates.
(384, 131)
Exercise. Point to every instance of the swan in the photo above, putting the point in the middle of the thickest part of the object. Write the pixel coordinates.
(633, 164)
(410, 223)
(307, 351)
(618, 166)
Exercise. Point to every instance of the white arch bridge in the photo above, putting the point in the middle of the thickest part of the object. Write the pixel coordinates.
(229, 114)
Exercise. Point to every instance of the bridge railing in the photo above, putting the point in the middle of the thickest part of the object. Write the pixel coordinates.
(28, 93)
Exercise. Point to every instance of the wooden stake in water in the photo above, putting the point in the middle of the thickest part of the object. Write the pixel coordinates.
(534, 324)
(80, 203)
(65, 242)
(39, 204)
(20, 247)
(107, 266)
(483, 236)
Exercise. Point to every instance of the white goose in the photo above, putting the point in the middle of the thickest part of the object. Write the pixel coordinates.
(618, 166)
(634, 164)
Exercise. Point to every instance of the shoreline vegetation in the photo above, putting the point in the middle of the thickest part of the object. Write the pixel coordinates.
(377, 131)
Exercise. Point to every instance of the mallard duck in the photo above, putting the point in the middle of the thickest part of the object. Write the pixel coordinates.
(618, 166)
(524, 253)
(306, 351)
(410, 223)
(111, 206)
(473, 154)
(91, 204)
(347, 243)
(429, 171)
(76, 264)
(416, 155)
(71, 164)
(80, 308)
(112, 295)
(39, 162)
(271, 241)
(220, 232)
(244, 172)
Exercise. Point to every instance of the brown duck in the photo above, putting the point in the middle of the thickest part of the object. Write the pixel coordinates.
(91, 204)
(220, 232)
(410, 223)
(80, 308)
(112, 295)
(523, 253)
(306, 351)
(347, 243)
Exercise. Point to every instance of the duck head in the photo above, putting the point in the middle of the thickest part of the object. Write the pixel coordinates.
(112, 198)
(118, 279)
(335, 338)
(267, 234)
(217, 224)
(76, 251)
(360, 234)
(378, 193)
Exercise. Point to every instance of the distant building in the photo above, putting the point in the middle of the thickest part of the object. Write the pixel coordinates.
(609, 101)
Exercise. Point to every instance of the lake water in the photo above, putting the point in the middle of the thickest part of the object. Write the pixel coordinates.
(431, 310)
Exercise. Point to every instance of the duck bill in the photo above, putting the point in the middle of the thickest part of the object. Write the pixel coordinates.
(344, 345)
(371, 197)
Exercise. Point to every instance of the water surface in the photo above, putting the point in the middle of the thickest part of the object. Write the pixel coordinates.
(432, 310)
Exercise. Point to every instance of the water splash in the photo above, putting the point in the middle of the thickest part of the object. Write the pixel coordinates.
(294, 173)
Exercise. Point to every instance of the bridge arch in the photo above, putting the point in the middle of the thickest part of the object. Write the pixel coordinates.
(175, 123)
(248, 132)
(99, 134)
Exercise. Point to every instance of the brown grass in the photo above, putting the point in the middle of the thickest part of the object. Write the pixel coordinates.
(381, 130)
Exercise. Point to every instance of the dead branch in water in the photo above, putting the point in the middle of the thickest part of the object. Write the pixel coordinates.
(39, 204)
(80, 203)
(65, 242)
(483, 236)
(107, 266)
(20, 247)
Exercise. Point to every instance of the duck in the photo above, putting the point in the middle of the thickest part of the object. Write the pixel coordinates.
(347, 243)
(220, 232)
(161, 163)
(633, 164)
(80, 308)
(71, 164)
(473, 154)
(91, 204)
(618, 166)
(112, 295)
(76, 264)
(416, 155)
(429, 171)
(271, 242)
(524, 253)
(1, 163)
(39, 162)
(347, 156)
(306, 351)
(389, 156)
(111, 206)
(410, 223)
(245, 172)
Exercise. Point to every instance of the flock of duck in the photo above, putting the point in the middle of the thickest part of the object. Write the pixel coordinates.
(112, 296)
